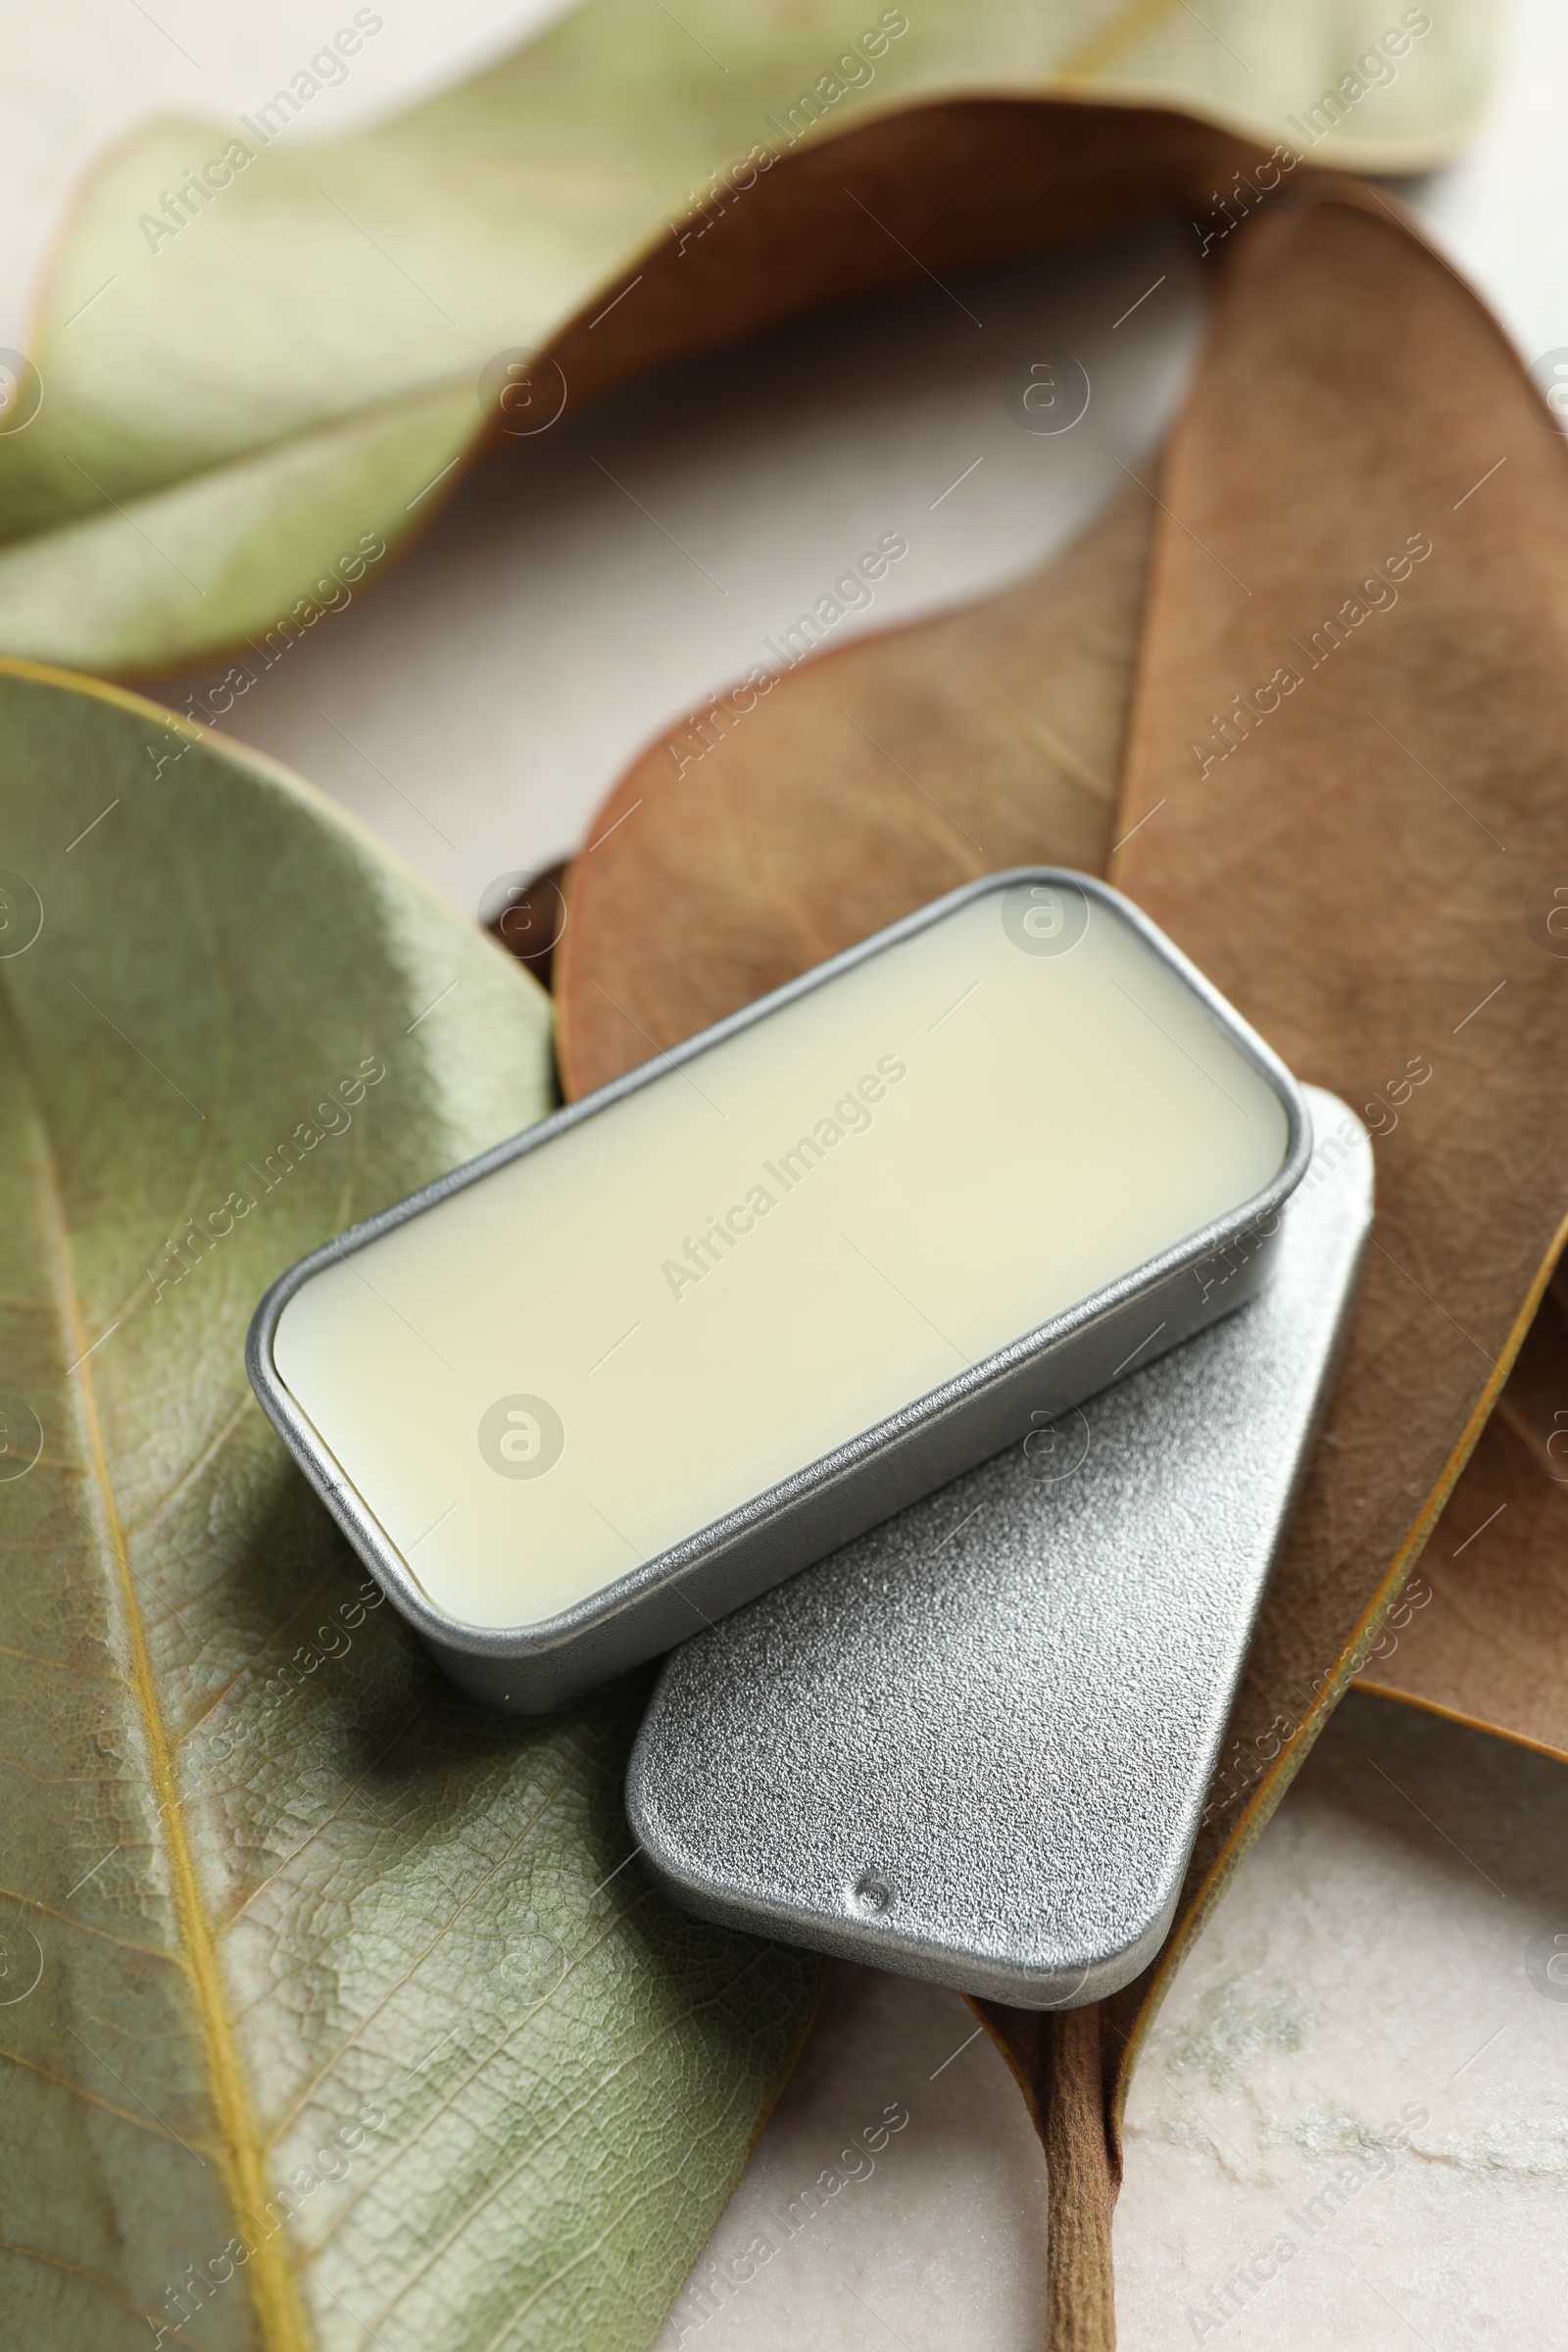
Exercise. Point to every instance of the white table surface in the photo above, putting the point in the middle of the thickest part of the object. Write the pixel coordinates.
(1371, 1954)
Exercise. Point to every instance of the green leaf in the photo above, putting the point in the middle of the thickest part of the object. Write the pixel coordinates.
(318, 1985)
(246, 388)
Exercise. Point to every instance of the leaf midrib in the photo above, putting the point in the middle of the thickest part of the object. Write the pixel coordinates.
(276, 2305)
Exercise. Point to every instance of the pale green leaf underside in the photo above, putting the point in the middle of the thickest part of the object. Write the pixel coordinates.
(228, 412)
(263, 1906)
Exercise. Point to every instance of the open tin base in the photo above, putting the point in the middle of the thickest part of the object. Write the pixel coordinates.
(1031, 1146)
(974, 1744)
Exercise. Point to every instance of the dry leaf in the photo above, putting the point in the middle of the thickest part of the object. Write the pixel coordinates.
(1482, 1632)
(266, 358)
(1357, 875)
(1344, 783)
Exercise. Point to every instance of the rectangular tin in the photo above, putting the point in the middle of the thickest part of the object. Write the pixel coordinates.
(933, 1437)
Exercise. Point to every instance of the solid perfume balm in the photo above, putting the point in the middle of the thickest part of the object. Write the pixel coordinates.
(579, 1399)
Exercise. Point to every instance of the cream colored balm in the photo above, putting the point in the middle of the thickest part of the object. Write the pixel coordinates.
(577, 1399)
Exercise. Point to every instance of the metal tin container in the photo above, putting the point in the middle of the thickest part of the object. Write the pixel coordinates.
(563, 1430)
(974, 1747)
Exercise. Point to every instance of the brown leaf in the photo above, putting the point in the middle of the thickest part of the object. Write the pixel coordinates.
(1345, 769)
(1482, 1633)
(1355, 875)
(865, 783)
(929, 188)
(530, 917)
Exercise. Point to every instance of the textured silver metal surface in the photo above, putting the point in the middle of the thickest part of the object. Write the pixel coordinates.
(974, 1744)
(545, 1664)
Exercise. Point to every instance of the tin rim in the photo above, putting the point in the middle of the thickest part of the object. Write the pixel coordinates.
(536, 1638)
